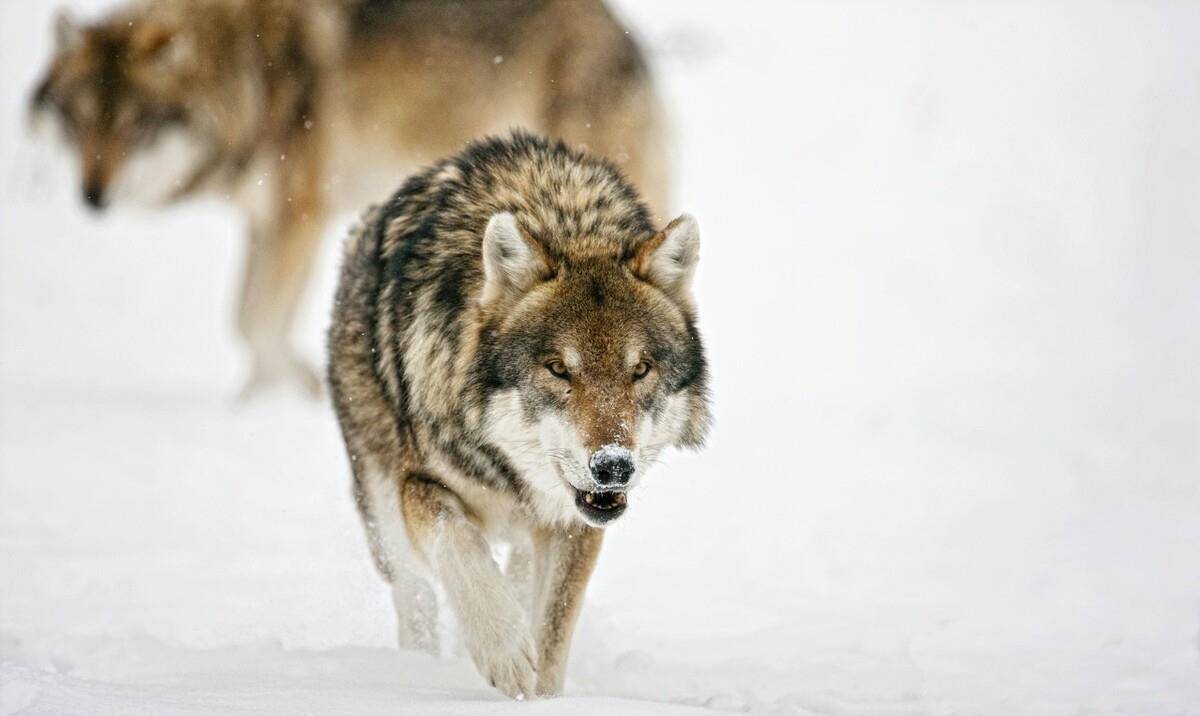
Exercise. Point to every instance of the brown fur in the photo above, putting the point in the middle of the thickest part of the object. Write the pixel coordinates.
(566, 559)
(301, 108)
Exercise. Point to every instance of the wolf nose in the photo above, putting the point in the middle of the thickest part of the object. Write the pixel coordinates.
(611, 466)
(93, 195)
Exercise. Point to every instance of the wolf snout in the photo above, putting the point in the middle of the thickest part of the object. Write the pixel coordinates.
(612, 466)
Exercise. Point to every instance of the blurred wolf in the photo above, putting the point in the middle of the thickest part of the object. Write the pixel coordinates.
(294, 109)
(513, 344)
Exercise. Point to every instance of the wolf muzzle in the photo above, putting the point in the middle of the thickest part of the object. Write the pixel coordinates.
(612, 468)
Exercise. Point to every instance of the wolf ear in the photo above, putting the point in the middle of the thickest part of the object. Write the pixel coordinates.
(511, 263)
(67, 32)
(668, 259)
(158, 44)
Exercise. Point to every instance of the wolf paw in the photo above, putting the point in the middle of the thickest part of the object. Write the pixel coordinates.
(506, 659)
(255, 385)
(295, 374)
(305, 377)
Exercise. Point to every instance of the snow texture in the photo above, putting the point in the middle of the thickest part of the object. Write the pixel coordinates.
(950, 282)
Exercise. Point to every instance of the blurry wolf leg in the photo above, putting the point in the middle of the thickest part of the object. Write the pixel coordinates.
(277, 265)
(415, 603)
(493, 625)
(283, 248)
(564, 562)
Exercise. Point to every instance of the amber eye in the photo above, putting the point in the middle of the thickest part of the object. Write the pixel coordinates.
(641, 370)
(558, 370)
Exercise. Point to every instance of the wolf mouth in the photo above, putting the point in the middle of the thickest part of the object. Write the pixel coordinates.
(601, 507)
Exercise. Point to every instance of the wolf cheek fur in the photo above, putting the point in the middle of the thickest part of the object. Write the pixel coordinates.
(513, 344)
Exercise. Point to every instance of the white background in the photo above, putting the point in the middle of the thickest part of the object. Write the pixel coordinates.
(950, 285)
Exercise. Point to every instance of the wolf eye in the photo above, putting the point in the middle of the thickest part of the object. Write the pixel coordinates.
(641, 370)
(558, 370)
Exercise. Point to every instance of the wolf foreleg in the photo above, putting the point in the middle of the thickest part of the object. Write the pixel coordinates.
(564, 559)
(493, 624)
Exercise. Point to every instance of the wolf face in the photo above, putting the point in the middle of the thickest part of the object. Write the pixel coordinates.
(126, 95)
(598, 364)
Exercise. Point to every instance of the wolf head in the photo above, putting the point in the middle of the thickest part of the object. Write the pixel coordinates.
(118, 91)
(163, 98)
(599, 363)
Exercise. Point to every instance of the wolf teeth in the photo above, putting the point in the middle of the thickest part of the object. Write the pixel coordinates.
(604, 501)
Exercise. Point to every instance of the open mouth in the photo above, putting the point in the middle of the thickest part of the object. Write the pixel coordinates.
(601, 507)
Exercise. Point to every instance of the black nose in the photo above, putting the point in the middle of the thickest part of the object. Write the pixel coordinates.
(93, 195)
(611, 466)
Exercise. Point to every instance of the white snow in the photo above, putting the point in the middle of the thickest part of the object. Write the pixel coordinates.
(950, 282)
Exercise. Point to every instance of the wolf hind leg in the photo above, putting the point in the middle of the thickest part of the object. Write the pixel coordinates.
(493, 624)
(377, 495)
(416, 607)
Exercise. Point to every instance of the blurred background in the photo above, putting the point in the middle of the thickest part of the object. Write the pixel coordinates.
(950, 286)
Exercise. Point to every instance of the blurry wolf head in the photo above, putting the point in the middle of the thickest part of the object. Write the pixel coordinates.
(164, 98)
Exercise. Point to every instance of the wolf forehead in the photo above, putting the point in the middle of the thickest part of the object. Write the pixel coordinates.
(582, 224)
(570, 209)
(597, 313)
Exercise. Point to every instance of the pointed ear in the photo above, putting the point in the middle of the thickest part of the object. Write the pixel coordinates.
(512, 264)
(156, 44)
(67, 32)
(668, 259)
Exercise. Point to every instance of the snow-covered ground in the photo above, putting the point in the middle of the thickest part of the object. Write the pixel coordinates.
(951, 288)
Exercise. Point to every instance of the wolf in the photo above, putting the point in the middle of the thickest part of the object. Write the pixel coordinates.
(294, 110)
(513, 345)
